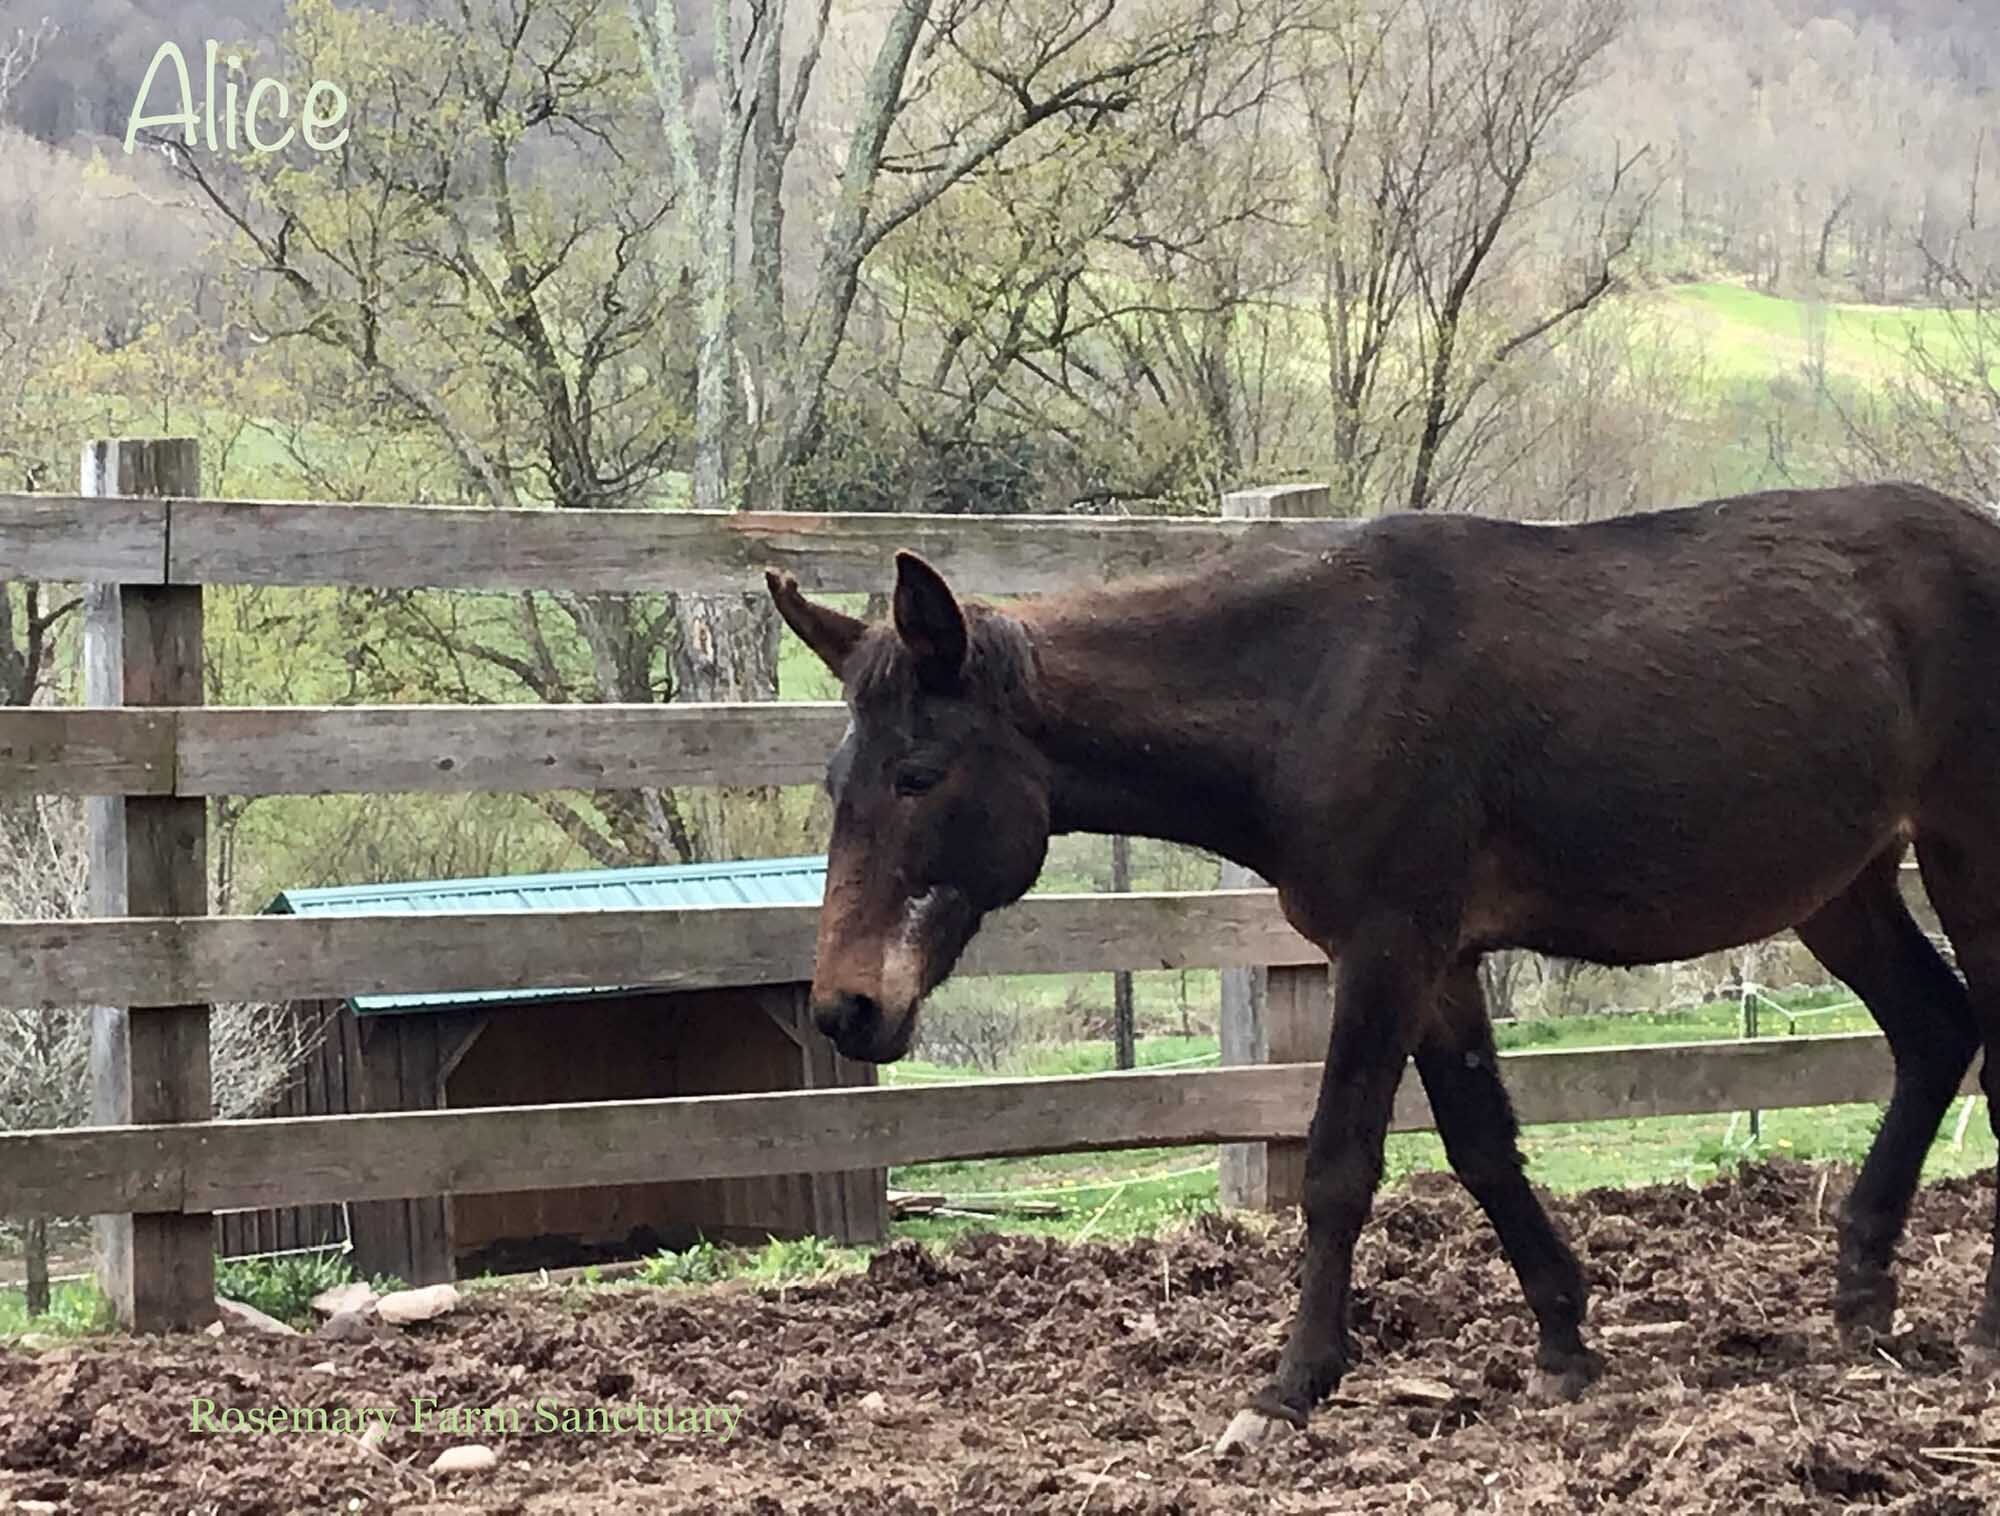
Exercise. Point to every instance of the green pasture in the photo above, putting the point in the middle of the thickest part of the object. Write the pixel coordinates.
(1751, 337)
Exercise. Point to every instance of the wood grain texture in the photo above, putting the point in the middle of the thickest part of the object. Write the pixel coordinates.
(1298, 1019)
(401, 546)
(411, 749)
(56, 750)
(149, 857)
(501, 748)
(309, 1160)
(79, 539)
(162, 962)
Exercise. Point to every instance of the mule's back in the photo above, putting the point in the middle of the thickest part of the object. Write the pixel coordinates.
(1674, 732)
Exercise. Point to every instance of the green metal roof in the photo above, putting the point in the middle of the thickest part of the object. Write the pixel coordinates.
(763, 881)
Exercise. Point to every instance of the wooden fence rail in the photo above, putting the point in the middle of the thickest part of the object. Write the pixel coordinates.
(164, 960)
(407, 749)
(141, 541)
(226, 1165)
(403, 749)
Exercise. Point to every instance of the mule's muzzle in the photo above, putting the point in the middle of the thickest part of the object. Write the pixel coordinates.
(858, 1027)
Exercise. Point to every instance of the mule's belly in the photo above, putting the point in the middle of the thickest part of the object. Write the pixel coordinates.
(1687, 789)
(1677, 899)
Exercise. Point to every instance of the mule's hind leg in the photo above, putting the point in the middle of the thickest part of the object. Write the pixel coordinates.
(1965, 889)
(1866, 937)
(1461, 1075)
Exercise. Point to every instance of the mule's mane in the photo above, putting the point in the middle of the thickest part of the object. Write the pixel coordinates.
(999, 668)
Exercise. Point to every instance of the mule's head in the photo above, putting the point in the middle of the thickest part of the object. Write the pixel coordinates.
(940, 802)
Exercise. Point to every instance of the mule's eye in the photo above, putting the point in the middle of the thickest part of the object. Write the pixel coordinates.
(914, 779)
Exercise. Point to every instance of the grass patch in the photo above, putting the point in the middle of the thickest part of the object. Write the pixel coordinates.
(1128, 1193)
(1052, 1059)
(1136, 1193)
(76, 1309)
(284, 1287)
(779, 1261)
(1755, 337)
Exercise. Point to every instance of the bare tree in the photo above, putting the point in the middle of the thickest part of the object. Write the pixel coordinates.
(474, 269)
(1938, 417)
(18, 54)
(1088, 305)
(31, 308)
(1431, 123)
(35, 322)
(947, 90)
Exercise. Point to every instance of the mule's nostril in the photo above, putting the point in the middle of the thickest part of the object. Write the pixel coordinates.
(847, 1015)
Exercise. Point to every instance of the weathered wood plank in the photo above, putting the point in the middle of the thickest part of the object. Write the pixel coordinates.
(81, 539)
(66, 751)
(1245, 1172)
(1298, 1011)
(270, 542)
(144, 962)
(326, 750)
(396, 749)
(231, 1164)
(149, 857)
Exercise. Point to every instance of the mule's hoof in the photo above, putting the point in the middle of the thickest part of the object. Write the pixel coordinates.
(1251, 1430)
(1865, 1312)
(1566, 1381)
(1863, 1336)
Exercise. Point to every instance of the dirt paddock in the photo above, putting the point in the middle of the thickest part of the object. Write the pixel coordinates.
(1014, 1375)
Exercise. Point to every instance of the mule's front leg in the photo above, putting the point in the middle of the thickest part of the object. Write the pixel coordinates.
(1382, 985)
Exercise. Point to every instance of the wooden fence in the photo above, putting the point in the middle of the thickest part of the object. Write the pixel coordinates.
(156, 1166)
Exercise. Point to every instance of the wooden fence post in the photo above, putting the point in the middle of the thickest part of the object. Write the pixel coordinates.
(1276, 1015)
(149, 857)
(1124, 1023)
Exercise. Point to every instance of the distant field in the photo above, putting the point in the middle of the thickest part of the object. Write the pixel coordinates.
(1755, 337)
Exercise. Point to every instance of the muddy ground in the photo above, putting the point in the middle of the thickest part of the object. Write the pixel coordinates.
(1022, 1376)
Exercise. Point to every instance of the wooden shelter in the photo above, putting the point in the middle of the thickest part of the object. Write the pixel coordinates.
(519, 1046)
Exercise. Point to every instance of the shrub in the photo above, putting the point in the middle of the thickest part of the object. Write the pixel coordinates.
(284, 1287)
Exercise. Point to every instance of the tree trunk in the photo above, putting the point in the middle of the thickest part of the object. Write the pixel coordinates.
(1826, 234)
(728, 648)
(763, 304)
(1437, 394)
(727, 651)
(847, 240)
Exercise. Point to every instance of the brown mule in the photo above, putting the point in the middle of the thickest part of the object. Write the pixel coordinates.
(1631, 741)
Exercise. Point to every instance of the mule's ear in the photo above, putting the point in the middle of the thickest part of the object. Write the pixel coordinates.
(829, 633)
(930, 622)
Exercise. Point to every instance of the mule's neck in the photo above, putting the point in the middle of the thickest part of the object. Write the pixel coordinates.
(1162, 709)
